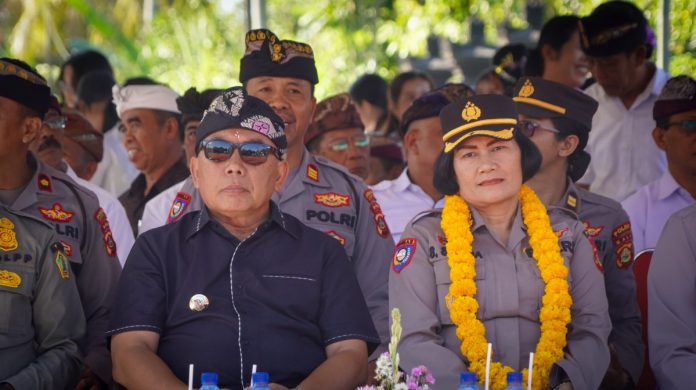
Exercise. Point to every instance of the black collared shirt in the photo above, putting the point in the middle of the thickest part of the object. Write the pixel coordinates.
(276, 298)
(134, 199)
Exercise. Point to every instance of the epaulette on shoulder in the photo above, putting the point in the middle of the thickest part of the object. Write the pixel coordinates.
(428, 213)
(562, 211)
(599, 200)
(26, 217)
(80, 190)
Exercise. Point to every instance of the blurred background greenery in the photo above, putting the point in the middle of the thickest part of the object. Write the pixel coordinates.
(199, 42)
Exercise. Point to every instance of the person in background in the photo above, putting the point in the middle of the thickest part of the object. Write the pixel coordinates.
(94, 100)
(404, 89)
(83, 148)
(624, 157)
(74, 68)
(413, 192)
(157, 210)
(558, 56)
(369, 93)
(296, 308)
(337, 134)
(675, 133)
(31, 186)
(494, 265)
(151, 125)
(508, 65)
(42, 319)
(386, 160)
(672, 303)
(558, 119)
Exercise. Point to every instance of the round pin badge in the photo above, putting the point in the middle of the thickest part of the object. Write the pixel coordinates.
(198, 302)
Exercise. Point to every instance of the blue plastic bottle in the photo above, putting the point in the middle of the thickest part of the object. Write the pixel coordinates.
(514, 380)
(259, 381)
(209, 381)
(467, 381)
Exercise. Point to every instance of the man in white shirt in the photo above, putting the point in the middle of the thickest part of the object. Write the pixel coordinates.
(413, 191)
(675, 133)
(624, 157)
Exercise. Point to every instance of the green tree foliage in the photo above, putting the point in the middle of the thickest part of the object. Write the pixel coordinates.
(198, 42)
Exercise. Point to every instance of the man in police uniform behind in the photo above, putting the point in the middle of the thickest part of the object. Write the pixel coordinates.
(558, 119)
(317, 192)
(82, 226)
(296, 308)
(42, 320)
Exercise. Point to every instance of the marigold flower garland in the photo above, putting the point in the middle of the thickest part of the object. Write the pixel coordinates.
(554, 315)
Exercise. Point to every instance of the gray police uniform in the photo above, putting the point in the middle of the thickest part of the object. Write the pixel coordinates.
(509, 289)
(672, 303)
(84, 230)
(41, 319)
(607, 224)
(324, 196)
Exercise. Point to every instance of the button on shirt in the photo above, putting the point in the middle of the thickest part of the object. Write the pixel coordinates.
(509, 288)
(276, 298)
(672, 303)
(401, 200)
(651, 206)
(624, 155)
(134, 199)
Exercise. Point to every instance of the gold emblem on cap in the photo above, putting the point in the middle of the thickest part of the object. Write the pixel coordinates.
(471, 112)
(527, 89)
(198, 302)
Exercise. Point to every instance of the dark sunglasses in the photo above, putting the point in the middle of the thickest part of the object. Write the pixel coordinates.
(528, 128)
(252, 153)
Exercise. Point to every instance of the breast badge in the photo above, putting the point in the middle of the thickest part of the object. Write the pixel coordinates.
(403, 253)
(9, 279)
(8, 238)
(56, 213)
(332, 199)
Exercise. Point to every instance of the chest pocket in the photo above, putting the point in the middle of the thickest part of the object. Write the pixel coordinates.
(16, 295)
(443, 282)
(296, 294)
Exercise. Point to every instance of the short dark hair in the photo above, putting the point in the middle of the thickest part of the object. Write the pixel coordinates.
(371, 88)
(161, 117)
(84, 62)
(555, 33)
(95, 87)
(579, 160)
(445, 180)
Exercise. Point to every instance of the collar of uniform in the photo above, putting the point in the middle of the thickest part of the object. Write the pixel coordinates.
(275, 218)
(517, 233)
(667, 186)
(570, 199)
(402, 182)
(28, 196)
(308, 159)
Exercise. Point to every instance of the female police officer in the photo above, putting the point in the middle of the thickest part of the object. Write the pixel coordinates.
(493, 266)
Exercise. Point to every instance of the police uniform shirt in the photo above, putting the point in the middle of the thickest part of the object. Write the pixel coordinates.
(624, 155)
(672, 303)
(609, 229)
(83, 228)
(324, 196)
(157, 208)
(651, 206)
(118, 220)
(401, 200)
(509, 289)
(275, 299)
(42, 319)
(134, 199)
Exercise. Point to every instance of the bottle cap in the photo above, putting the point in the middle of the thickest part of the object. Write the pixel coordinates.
(259, 378)
(209, 378)
(467, 377)
(514, 377)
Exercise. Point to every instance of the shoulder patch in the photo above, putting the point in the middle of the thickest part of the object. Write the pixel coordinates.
(403, 253)
(622, 238)
(44, 182)
(107, 236)
(179, 206)
(57, 213)
(8, 238)
(377, 215)
(313, 172)
(595, 252)
(332, 199)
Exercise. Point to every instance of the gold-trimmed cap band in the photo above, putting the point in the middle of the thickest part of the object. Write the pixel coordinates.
(540, 103)
(499, 134)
